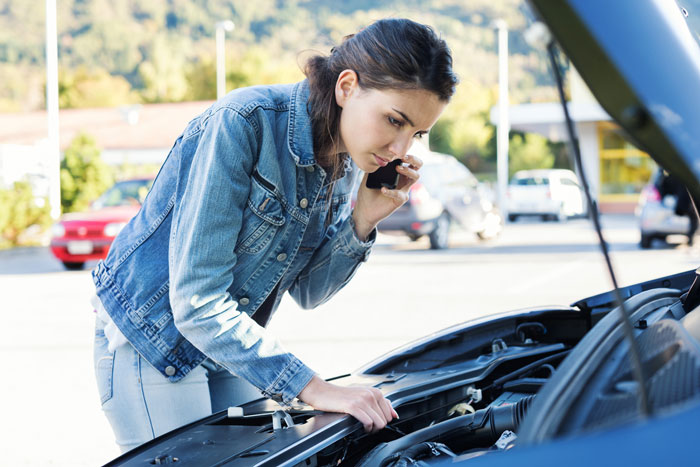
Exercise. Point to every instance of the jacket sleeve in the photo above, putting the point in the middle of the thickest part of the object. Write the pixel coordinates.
(207, 217)
(332, 265)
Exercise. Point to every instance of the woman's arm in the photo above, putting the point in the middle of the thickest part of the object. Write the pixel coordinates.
(207, 215)
(347, 244)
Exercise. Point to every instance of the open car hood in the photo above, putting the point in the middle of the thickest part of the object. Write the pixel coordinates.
(635, 56)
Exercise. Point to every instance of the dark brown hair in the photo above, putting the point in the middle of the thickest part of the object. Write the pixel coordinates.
(388, 54)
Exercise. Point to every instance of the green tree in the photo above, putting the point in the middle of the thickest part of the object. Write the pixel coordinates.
(84, 175)
(84, 88)
(163, 74)
(528, 151)
(20, 209)
(464, 129)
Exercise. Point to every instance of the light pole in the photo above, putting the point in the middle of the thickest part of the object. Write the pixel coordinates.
(221, 28)
(53, 153)
(503, 127)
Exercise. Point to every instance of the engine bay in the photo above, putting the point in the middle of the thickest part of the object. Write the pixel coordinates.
(478, 389)
(568, 392)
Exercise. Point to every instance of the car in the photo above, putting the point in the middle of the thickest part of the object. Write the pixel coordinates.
(612, 379)
(549, 193)
(446, 193)
(657, 217)
(79, 237)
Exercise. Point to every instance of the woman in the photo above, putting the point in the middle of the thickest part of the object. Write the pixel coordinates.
(254, 201)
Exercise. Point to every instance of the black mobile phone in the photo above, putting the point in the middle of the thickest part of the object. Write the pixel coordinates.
(386, 176)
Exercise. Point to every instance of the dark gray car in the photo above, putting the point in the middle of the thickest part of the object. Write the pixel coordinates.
(446, 193)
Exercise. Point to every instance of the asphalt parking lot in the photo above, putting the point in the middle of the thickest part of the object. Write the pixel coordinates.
(48, 401)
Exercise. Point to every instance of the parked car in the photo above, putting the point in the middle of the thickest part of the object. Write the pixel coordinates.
(549, 193)
(591, 383)
(447, 192)
(657, 216)
(85, 236)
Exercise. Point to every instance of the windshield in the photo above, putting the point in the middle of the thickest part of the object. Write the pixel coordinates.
(129, 192)
(529, 181)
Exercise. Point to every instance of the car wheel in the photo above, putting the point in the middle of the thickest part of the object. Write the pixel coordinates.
(561, 215)
(512, 217)
(493, 225)
(440, 234)
(72, 266)
(645, 242)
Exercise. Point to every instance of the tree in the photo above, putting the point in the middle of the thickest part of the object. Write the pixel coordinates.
(19, 209)
(528, 151)
(85, 88)
(84, 175)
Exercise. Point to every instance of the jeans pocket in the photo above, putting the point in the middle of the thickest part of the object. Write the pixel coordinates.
(104, 366)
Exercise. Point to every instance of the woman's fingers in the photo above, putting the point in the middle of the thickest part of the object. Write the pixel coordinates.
(414, 161)
(399, 196)
(408, 172)
(367, 405)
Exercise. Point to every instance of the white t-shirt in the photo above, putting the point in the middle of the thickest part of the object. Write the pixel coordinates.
(114, 336)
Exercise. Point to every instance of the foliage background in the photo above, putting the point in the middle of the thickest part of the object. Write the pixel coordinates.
(116, 52)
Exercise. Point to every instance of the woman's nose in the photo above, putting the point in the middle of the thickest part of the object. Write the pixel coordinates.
(399, 147)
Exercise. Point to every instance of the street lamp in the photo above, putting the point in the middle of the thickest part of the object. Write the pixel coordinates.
(54, 152)
(503, 125)
(221, 28)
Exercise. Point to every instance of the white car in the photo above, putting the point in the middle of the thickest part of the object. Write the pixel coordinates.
(550, 193)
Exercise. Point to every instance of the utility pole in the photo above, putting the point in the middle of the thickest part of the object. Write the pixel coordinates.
(54, 151)
(503, 127)
(221, 28)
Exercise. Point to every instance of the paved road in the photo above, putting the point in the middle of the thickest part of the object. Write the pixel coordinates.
(48, 401)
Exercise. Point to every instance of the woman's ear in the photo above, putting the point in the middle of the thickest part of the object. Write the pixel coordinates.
(345, 86)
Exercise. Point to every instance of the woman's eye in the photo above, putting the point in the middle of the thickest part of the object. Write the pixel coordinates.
(419, 135)
(395, 122)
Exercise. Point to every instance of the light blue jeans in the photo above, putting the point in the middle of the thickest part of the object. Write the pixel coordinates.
(141, 404)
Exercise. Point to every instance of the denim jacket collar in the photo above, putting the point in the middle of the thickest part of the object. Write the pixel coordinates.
(301, 142)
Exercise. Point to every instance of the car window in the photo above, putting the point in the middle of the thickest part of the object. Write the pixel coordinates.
(569, 182)
(530, 181)
(124, 193)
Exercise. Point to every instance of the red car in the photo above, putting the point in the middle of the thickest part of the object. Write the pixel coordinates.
(79, 237)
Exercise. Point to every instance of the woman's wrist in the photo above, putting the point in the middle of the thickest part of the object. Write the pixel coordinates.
(362, 227)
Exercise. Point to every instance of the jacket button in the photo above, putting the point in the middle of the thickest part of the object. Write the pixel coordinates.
(169, 370)
(303, 203)
(281, 257)
(244, 301)
(310, 168)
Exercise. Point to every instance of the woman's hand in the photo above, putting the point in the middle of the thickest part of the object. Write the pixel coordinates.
(366, 404)
(374, 205)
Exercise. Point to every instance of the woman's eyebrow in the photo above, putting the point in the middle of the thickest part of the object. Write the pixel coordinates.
(405, 117)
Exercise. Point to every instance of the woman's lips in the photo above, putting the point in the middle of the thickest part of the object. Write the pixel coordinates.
(380, 161)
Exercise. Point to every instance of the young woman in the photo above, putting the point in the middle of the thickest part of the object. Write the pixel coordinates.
(254, 201)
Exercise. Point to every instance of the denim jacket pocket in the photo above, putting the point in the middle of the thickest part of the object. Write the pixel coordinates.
(262, 218)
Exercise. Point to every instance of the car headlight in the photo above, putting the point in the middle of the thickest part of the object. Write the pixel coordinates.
(112, 229)
(58, 230)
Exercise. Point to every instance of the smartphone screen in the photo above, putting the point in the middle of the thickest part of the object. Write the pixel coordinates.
(386, 176)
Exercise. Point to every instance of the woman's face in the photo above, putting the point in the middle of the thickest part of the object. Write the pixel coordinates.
(378, 126)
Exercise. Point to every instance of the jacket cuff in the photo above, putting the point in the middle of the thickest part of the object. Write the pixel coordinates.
(351, 243)
(290, 383)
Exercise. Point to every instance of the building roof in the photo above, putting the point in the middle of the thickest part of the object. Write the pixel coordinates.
(148, 126)
(548, 118)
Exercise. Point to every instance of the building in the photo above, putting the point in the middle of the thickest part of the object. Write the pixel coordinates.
(616, 170)
(138, 134)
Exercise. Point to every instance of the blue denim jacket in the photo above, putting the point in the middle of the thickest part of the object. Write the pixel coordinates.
(238, 208)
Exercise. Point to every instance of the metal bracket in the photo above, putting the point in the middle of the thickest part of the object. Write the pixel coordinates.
(278, 417)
